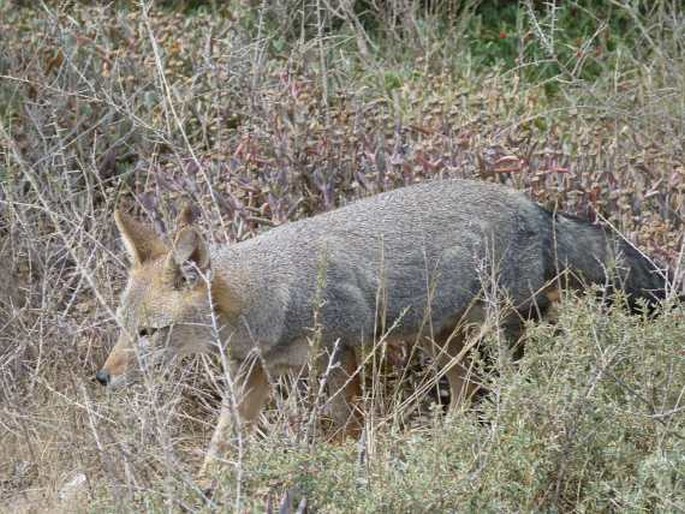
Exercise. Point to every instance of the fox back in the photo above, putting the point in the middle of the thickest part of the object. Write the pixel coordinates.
(417, 257)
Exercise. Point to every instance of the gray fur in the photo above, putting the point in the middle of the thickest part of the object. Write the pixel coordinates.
(442, 237)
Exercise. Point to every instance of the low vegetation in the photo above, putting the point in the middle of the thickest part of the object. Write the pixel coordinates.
(267, 112)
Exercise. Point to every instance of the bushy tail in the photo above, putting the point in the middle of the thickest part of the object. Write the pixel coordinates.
(594, 255)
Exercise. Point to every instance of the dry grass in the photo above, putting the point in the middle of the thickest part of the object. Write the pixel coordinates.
(261, 117)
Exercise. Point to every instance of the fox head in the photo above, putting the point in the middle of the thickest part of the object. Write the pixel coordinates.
(165, 309)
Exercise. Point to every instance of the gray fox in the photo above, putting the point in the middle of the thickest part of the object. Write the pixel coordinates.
(413, 265)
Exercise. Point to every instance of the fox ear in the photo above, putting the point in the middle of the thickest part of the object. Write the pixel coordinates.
(189, 255)
(141, 241)
(189, 246)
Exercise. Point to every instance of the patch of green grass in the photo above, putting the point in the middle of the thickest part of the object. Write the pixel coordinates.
(591, 421)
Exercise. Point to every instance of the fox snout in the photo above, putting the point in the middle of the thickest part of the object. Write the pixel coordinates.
(103, 377)
(109, 379)
(118, 366)
(133, 355)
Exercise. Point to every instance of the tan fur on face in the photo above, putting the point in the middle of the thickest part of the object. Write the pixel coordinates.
(118, 361)
(158, 295)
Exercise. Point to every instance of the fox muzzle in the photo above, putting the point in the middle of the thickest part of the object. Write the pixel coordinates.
(103, 377)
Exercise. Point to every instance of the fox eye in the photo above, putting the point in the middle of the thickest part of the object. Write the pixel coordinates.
(188, 276)
(146, 332)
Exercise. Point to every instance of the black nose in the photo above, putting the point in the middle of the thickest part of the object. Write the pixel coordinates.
(102, 377)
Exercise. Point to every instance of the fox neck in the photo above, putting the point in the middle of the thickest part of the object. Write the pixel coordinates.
(227, 301)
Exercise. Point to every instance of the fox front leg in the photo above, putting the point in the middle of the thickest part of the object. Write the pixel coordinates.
(252, 391)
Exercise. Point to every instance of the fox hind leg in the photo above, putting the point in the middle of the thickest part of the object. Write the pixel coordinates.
(455, 364)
